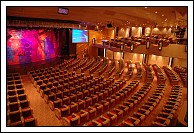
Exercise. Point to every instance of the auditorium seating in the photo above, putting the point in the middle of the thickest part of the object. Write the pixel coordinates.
(89, 99)
(161, 79)
(19, 112)
(139, 71)
(120, 70)
(165, 117)
(110, 69)
(149, 75)
(182, 71)
(172, 75)
(129, 72)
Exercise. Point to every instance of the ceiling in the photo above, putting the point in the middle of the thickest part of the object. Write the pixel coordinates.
(117, 16)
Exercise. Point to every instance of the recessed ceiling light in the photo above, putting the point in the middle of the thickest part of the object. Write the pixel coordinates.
(162, 14)
(156, 12)
(146, 7)
(165, 19)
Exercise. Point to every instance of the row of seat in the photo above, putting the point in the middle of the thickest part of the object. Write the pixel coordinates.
(161, 79)
(13, 82)
(19, 112)
(167, 114)
(182, 71)
(112, 116)
(129, 72)
(39, 70)
(63, 80)
(102, 68)
(77, 92)
(63, 65)
(82, 63)
(68, 77)
(72, 64)
(139, 73)
(95, 66)
(110, 69)
(149, 76)
(13, 78)
(13, 74)
(120, 70)
(62, 91)
(137, 117)
(88, 65)
(101, 104)
(172, 75)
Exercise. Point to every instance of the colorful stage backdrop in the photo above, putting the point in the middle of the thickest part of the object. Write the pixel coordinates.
(30, 45)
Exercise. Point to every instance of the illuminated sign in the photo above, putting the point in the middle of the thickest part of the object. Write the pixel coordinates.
(62, 10)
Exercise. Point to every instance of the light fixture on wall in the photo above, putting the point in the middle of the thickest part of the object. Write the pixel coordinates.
(122, 46)
(170, 62)
(160, 43)
(147, 43)
(132, 47)
(94, 41)
(96, 28)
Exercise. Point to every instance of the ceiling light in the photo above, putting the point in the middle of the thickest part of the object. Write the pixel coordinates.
(165, 19)
(156, 12)
(162, 14)
(146, 7)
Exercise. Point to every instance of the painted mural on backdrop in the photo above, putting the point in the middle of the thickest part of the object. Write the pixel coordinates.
(30, 45)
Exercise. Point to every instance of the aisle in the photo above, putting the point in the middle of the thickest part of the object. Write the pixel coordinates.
(41, 110)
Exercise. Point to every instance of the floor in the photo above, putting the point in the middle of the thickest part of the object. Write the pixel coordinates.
(46, 117)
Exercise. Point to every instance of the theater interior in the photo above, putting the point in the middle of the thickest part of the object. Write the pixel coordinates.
(89, 66)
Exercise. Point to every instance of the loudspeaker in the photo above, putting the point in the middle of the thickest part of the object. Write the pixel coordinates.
(109, 25)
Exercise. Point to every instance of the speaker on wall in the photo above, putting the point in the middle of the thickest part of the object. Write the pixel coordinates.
(109, 25)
